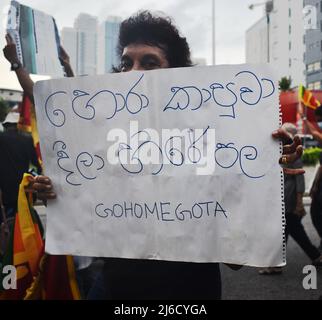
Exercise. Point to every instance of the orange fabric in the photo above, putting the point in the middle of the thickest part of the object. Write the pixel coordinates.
(306, 97)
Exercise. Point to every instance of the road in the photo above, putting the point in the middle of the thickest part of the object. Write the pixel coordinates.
(247, 284)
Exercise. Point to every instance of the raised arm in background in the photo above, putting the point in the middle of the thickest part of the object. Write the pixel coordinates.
(65, 61)
(10, 53)
(27, 84)
(317, 135)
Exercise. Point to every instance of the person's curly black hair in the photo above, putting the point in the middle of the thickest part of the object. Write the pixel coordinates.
(146, 28)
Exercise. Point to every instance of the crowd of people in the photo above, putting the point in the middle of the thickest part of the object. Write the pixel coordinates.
(147, 42)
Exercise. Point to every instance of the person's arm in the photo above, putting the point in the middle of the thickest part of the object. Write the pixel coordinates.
(23, 76)
(316, 182)
(65, 61)
(317, 135)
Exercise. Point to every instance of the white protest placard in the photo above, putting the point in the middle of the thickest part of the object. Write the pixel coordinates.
(37, 40)
(172, 164)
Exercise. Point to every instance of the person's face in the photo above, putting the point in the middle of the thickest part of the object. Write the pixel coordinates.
(143, 57)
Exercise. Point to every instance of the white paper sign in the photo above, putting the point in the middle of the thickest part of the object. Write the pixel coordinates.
(171, 164)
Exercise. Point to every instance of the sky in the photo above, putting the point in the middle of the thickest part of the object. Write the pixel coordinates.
(192, 17)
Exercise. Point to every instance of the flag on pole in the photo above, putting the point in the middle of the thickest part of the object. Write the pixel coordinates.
(307, 98)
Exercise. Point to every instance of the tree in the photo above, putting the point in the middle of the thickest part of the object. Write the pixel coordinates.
(285, 84)
(4, 109)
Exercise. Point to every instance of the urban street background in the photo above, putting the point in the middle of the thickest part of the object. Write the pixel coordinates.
(247, 284)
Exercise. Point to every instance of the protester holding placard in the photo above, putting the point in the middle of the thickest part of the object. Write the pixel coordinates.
(150, 42)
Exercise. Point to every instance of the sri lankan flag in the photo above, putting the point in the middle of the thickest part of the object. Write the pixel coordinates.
(26, 246)
(39, 276)
(307, 98)
(56, 280)
(28, 123)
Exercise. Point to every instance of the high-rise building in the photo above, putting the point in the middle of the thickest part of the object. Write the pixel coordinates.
(92, 50)
(107, 45)
(256, 42)
(86, 28)
(277, 38)
(313, 42)
(69, 42)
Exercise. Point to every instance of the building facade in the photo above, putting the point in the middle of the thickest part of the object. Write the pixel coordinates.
(256, 42)
(313, 41)
(92, 48)
(108, 34)
(278, 38)
(86, 29)
(69, 41)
